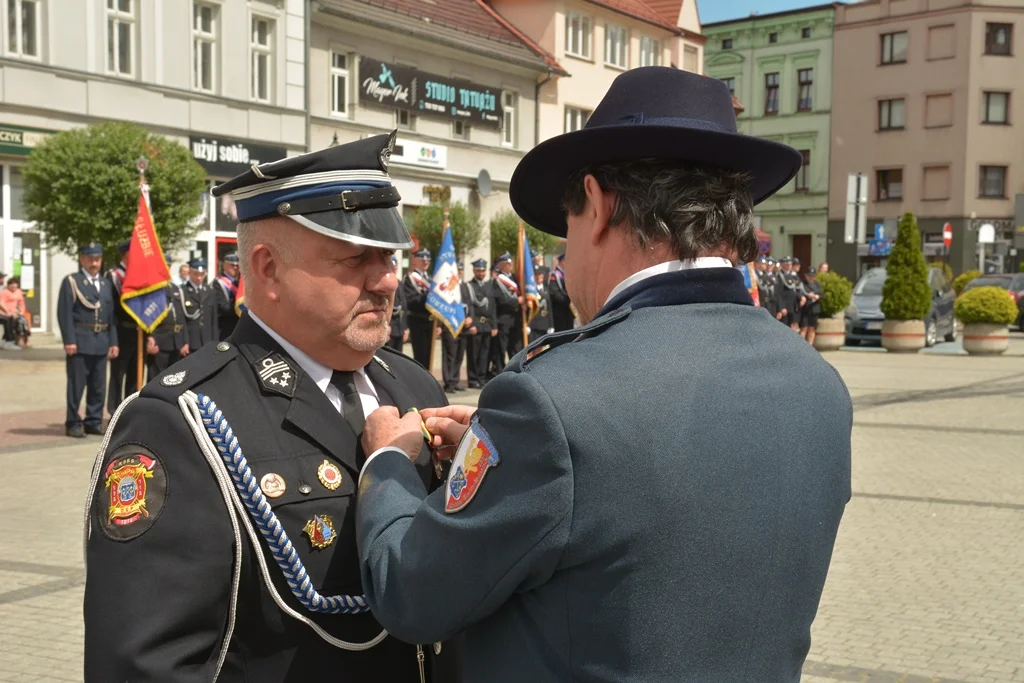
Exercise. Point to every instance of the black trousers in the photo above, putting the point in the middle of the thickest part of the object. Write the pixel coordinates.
(88, 374)
(124, 377)
(515, 339)
(499, 345)
(419, 334)
(454, 352)
(478, 346)
(160, 361)
(395, 343)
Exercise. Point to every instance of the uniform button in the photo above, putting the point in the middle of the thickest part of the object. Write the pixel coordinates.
(223, 346)
(305, 489)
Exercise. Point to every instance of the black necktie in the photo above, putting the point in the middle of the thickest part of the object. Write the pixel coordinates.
(351, 404)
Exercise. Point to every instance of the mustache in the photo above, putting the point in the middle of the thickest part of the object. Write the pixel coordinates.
(368, 303)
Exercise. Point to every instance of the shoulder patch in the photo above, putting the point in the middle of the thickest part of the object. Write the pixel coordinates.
(475, 456)
(174, 379)
(133, 491)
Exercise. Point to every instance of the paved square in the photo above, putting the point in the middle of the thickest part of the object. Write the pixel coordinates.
(927, 579)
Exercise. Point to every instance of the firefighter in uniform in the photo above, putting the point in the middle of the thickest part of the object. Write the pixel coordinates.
(399, 328)
(200, 306)
(507, 303)
(454, 348)
(478, 346)
(226, 288)
(542, 322)
(124, 376)
(562, 316)
(220, 538)
(415, 288)
(169, 342)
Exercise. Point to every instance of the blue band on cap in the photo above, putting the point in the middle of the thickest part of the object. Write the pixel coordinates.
(266, 204)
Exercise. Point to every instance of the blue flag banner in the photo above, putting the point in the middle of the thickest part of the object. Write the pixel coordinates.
(445, 298)
(526, 281)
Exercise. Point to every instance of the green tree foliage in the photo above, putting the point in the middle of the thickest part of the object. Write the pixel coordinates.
(906, 294)
(992, 305)
(467, 228)
(82, 185)
(836, 293)
(963, 279)
(505, 236)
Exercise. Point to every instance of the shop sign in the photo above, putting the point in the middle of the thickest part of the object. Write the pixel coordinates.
(20, 140)
(427, 94)
(412, 153)
(227, 158)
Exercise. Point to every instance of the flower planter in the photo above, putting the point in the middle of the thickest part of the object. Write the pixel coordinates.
(986, 339)
(903, 336)
(830, 334)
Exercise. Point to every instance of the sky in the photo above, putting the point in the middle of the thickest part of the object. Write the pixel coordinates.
(720, 10)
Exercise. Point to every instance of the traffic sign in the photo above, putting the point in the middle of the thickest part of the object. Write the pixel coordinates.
(947, 235)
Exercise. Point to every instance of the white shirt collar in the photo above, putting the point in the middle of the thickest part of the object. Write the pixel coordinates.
(320, 374)
(670, 267)
(90, 278)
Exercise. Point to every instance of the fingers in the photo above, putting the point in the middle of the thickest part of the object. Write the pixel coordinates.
(459, 413)
(385, 411)
(449, 431)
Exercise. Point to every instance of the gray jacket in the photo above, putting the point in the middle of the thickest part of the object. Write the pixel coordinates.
(632, 525)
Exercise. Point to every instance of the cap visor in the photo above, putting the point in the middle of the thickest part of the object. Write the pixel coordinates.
(379, 227)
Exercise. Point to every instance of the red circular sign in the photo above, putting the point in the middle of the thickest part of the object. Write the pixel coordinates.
(947, 235)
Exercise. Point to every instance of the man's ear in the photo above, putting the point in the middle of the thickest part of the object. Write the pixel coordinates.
(264, 265)
(598, 210)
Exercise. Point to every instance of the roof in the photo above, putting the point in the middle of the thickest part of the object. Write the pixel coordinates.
(639, 9)
(773, 15)
(464, 24)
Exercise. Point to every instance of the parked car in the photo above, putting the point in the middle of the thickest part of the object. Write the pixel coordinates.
(1013, 283)
(864, 316)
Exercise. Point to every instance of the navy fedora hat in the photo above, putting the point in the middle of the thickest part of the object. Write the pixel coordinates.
(653, 112)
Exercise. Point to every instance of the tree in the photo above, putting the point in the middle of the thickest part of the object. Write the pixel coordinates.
(82, 185)
(906, 294)
(467, 228)
(505, 236)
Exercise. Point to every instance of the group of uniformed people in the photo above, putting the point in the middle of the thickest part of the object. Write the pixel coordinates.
(96, 329)
(792, 297)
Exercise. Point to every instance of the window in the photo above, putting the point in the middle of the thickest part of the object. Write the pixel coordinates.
(120, 36)
(890, 184)
(894, 48)
(942, 41)
(509, 134)
(727, 44)
(339, 84)
(23, 24)
(460, 130)
(805, 33)
(204, 40)
(773, 37)
(803, 176)
(890, 115)
(999, 39)
(938, 110)
(771, 93)
(616, 46)
(730, 83)
(577, 35)
(690, 59)
(805, 99)
(405, 119)
(575, 119)
(650, 51)
(936, 182)
(260, 46)
(993, 182)
(996, 107)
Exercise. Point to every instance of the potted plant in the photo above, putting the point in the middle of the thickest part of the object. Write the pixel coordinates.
(986, 313)
(906, 294)
(836, 292)
(963, 279)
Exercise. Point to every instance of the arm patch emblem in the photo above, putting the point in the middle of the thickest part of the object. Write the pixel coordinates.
(475, 456)
(134, 485)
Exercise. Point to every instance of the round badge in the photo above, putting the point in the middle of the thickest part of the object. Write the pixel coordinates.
(130, 493)
(329, 475)
(273, 485)
(305, 489)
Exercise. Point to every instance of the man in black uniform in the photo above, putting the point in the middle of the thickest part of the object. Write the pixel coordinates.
(562, 316)
(455, 348)
(399, 327)
(541, 323)
(226, 288)
(169, 342)
(766, 285)
(478, 344)
(124, 375)
(234, 559)
(200, 306)
(507, 302)
(789, 293)
(415, 288)
(85, 313)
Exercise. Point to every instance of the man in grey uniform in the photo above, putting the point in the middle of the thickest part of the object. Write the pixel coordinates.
(611, 513)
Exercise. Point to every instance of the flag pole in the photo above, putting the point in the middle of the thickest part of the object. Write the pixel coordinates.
(433, 318)
(521, 271)
(141, 164)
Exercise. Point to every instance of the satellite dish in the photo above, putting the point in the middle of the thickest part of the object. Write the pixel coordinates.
(483, 183)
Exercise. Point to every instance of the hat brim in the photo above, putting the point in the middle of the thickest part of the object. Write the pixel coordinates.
(539, 180)
(375, 227)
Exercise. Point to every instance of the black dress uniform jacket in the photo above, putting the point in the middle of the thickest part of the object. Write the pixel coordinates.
(171, 335)
(200, 314)
(227, 318)
(561, 309)
(161, 598)
(85, 315)
(123, 369)
(417, 317)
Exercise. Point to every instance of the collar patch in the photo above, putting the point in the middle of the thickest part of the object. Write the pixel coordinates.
(277, 375)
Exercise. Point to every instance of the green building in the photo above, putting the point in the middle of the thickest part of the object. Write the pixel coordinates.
(779, 67)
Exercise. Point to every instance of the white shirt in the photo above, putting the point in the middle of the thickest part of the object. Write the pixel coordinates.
(321, 374)
(670, 267)
(94, 281)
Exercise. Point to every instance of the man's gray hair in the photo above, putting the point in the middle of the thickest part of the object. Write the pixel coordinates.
(696, 209)
(272, 231)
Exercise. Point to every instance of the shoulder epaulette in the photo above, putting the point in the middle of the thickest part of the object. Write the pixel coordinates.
(546, 344)
(190, 371)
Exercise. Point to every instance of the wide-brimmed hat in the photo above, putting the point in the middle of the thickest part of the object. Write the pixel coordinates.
(652, 112)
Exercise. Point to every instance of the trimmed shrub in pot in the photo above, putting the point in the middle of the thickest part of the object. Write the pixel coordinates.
(986, 313)
(836, 292)
(963, 279)
(906, 294)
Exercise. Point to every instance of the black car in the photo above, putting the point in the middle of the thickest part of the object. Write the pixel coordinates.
(864, 317)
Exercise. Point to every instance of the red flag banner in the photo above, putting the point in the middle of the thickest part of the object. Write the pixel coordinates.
(142, 295)
(240, 297)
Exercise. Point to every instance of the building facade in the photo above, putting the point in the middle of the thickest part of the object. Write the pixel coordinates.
(927, 113)
(224, 77)
(595, 41)
(779, 67)
(457, 81)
